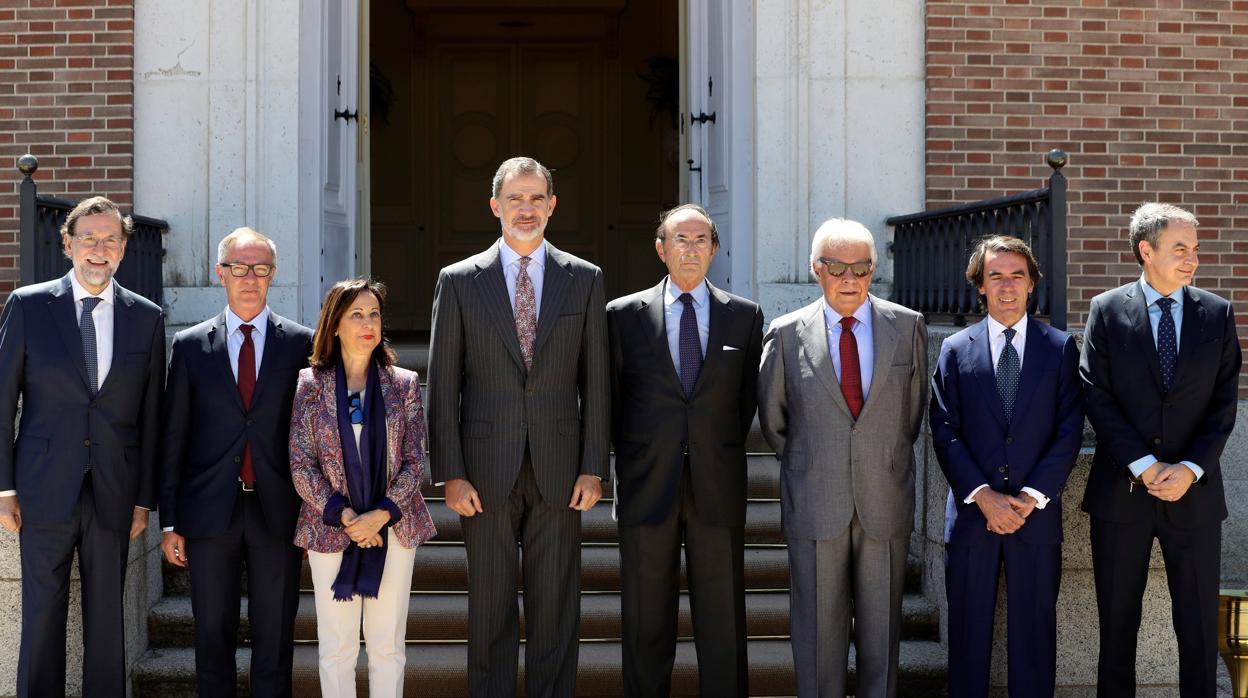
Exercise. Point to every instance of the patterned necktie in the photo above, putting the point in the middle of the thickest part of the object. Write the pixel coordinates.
(690, 346)
(86, 329)
(1008, 369)
(247, 386)
(526, 313)
(851, 371)
(1167, 343)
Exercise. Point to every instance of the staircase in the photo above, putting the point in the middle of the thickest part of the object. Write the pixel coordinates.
(438, 619)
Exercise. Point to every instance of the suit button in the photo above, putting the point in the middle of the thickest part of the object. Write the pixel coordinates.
(86, 442)
(524, 425)
(854, 430)
(237, 459)
(94, 403)
(1156, 440)
(1001, 469)
(1009, 439)
(250, 422)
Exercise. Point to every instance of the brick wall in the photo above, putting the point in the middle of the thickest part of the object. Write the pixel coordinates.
(67, 96)
(1149, 98)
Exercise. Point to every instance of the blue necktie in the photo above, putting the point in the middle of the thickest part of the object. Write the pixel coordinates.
(690, 346)
(1167, 343)
(86, 329)
(1008, 369)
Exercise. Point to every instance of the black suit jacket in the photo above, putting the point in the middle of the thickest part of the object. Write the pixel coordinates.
(62, 425)
(485, 407)
(206, 428)
(652, 418)
(1134, 418)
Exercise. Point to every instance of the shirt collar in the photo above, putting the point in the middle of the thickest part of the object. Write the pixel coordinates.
(995, 328)
(1151, 294)
(671, 294)
(509, 256)
(260, 322)
(81, 292)
(832, 318)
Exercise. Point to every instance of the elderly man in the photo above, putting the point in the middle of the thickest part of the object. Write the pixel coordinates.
(227, 501)
(87, 358)
(518, 401)
(842, 389)
(1161, 366)
(684, 382)
(1007, 423)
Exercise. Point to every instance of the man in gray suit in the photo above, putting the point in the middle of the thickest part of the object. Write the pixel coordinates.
(842, 389)
(518, 402)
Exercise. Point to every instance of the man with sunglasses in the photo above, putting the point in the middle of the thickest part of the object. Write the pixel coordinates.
(226, 497)
(842, 389)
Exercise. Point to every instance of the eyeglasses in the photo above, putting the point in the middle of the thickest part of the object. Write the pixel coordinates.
(835, 268)
(356, 410)
(687, 243)
(91, 242)
(238, 270)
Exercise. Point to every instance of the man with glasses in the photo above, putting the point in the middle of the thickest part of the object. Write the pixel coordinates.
(85, 357)
(226, 497)
(684, 382)
(842, 389)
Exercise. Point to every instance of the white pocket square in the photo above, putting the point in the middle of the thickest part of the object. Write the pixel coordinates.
(728, 348)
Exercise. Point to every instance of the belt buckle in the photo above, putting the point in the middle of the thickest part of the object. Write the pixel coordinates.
(246, 487)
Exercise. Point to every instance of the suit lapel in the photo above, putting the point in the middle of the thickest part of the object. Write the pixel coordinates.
(122, 302)
(556, 278)
(654, 322)
(1036, 359)
(884, 338)
(65, 316)
(218, 345)
(1135, 306)
(493, 287)
(985, 375)
(721, 318)
(813, 336)
(394, 419)
(275, 334)
(1193, 325)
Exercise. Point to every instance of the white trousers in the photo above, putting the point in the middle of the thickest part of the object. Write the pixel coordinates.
(385, 625)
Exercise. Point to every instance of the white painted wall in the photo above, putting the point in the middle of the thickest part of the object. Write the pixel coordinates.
(216, 124)
(838, 131)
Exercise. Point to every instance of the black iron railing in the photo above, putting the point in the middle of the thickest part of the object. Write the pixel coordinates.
(930, 249)
(42, 258)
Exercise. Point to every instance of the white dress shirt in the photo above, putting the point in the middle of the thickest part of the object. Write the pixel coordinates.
(996, 345)
(674, 310)
(510, 260)
(234, 336)
(863, 333)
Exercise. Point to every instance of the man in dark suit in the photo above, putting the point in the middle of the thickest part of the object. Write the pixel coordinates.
(86, 358)
(1007, 423)
(226, 498)
(518, 400)
(1161, 366)
(684, 382)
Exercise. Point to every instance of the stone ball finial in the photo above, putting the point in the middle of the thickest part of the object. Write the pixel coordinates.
(27, 164)
(1056, 158)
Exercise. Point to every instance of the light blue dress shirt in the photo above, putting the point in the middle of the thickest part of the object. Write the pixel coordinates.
(234, 336)
(1151, 295)
(510, 260)
(673, 310)
(863, 333)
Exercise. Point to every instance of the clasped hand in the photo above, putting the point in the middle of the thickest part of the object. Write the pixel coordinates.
(1168, 481)
(365, 529)
(1005, 513)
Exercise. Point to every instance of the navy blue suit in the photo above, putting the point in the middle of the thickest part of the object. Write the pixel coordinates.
(63, 428)
(976, 445)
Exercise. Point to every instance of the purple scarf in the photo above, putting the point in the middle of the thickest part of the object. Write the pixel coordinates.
(360, 572)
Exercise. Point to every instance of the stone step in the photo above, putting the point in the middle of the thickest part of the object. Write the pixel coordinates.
(437, 669)
(443, 617)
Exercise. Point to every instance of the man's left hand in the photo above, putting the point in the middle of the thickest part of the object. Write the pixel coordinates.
(138, 523)
(1023, 503)
(1172, 483)
(585, 493)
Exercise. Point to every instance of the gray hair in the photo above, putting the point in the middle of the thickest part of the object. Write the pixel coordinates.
(1150, 219)
(239, 234)
(521, 166)
(839, 231)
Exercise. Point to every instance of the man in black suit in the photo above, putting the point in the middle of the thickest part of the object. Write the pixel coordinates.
(684, 388)
(226, 498)
(1161, 367)
(86, 358)
(518, 400)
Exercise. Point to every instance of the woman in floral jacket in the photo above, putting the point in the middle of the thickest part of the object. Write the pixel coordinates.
(356, 439)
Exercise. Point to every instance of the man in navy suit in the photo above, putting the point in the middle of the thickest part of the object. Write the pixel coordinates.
(1007, 422)
(1161, 366)
(86, 358)
(226, 497)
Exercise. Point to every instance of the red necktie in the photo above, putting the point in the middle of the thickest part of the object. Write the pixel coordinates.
(247, 386)
(851, 372)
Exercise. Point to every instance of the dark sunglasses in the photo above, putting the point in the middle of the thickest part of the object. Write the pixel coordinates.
(836, 268)
(238, 270)
(356, 410)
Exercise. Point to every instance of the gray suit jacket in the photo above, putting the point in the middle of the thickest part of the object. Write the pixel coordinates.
(832, 466)
(483, 406)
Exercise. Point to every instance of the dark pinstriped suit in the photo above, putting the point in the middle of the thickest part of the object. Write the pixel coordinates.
(488, 419)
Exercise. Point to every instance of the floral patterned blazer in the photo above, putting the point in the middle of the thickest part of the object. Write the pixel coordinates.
(316, 460)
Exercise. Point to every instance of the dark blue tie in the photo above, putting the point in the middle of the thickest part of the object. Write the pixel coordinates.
(86, 329)
(690, 346)
(1008, 369)
(1167, 343)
